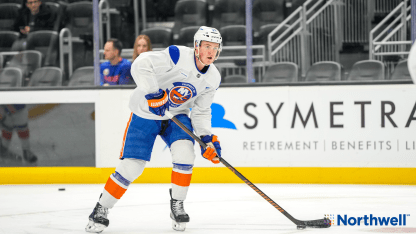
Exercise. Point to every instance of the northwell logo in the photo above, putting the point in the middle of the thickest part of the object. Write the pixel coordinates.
(368, 220)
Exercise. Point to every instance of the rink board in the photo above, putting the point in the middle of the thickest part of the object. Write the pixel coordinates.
(304, 175)
(316, 134)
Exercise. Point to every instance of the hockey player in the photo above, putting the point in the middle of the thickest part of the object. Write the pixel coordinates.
(15, 117)
(411, 63)
(175, 79)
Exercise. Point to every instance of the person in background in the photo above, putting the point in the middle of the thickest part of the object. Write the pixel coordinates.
(33, 16)
(15, 118)
(141, 44)
(116, 71)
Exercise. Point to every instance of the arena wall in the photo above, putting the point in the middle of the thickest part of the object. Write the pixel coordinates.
(306, 134)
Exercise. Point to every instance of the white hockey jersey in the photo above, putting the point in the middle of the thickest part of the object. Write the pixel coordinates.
(174, 69)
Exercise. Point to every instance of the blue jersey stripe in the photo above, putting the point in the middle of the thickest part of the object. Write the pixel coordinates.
(121, 179)
(183, 167)
(174, 54)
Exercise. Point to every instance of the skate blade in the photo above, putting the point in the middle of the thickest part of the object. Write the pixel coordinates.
(94, 227)
(178, 226)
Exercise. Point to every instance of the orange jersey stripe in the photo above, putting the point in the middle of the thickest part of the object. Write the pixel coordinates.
(181, 179)
(125, 133)
(114, 189)
(158, 102)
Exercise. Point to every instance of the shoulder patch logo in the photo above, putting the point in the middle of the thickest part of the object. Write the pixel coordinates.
(180, 93)
(106, 71)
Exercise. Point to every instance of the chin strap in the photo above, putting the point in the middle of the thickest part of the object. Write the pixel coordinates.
(197, 56)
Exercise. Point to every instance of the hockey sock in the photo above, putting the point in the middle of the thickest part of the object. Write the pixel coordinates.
(23, 133)
(181, 179)
(183, 157)
(116, 186)
(6, 136)
(126, 172)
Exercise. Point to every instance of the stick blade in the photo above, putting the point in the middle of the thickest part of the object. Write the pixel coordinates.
(319, 223)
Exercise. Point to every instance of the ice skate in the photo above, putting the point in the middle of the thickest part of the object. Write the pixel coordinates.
(98, 219)
(7, 154)
(28, 156)
(177, 214)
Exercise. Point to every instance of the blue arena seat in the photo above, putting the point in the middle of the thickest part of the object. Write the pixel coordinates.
(46, 76)
(265, 30)
(7, 38)
(189, 13)
(79, 18)
(160, 37)
(233, 35)
(281, 72)
(186, 36)
(235, 79)
(324, 71)
(83, 76)
(367, 70)
(46, 42)
(228, 12)
(267, 12)
(401, 71)
(20, 2)
(27, 61)
(8, 13)
(57, 11)
(11, 77)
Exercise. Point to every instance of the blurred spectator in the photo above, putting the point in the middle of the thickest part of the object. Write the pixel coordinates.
(15, 117)
(142, 44)
(117, 70)
(33, 16)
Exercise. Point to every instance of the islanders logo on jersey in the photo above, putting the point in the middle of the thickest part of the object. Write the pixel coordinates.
(180, 93)
(106, 71)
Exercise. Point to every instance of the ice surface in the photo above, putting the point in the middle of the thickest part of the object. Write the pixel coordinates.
(213, 208)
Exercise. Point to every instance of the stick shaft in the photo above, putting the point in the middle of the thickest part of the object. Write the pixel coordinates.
(261, 193)
(223, 161)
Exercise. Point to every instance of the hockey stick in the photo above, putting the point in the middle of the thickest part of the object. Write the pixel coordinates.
(301, 224)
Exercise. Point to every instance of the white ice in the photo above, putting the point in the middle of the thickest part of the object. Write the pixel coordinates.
(213, 208)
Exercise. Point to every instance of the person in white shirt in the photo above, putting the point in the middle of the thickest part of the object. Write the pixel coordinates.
(175, 79)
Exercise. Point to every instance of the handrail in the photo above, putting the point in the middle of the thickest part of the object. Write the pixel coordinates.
(312, 7)
(392, 53)
(285, 32)
(319, 11)
(270, 43)
(393, 43)
(376, 42)
(108, 23)
(392, 32)
(387, 17)
(65, 49)
(6, 53)
(261, 47)
(288, 39)
(300, 43)
(387, 28)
